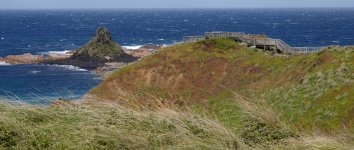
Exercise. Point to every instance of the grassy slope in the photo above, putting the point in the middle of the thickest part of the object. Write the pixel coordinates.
(310, 93)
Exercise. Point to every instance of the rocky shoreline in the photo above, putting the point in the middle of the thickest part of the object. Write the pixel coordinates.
(63, 58)
(26, 58)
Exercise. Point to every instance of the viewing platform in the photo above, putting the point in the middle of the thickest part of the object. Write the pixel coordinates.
(254, 40)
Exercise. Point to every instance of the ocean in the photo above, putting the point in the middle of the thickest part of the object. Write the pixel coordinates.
(40, 31)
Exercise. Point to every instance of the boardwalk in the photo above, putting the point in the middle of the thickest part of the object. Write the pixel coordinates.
(255, 40)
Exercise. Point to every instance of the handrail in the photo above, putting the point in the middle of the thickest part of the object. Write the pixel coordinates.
(254, 41)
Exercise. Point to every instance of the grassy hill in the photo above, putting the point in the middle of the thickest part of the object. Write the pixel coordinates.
(306, 94)
(212, 94)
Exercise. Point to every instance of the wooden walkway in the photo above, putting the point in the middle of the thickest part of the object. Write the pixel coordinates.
(258, 41)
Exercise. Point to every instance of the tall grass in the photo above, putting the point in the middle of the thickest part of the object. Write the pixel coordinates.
(264, 128)
(108, 126)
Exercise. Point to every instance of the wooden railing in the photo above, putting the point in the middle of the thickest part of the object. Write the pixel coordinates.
(192, 38)
(302, 50)
(253, 40)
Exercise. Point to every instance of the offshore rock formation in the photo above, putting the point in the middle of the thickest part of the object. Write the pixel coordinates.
(100, 48)
(98, 51)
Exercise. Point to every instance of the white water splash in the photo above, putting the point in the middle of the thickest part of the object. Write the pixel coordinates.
(2, 63)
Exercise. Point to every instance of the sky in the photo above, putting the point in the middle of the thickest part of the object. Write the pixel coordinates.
(72, 4)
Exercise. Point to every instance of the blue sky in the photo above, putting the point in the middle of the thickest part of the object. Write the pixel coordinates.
(48, 4)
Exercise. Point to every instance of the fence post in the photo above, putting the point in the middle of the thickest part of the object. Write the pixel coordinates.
(264, 44)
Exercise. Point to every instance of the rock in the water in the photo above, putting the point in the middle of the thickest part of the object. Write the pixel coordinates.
(101, 47)
(26, 58)
(99, 50)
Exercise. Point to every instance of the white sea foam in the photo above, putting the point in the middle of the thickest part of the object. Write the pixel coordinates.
(35, 72)
(2, 38)
(70, 67)
(133, 47)
(2, 63)
(65, 52)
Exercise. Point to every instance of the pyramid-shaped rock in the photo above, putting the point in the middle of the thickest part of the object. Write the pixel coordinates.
(100, 48)
(98, 51)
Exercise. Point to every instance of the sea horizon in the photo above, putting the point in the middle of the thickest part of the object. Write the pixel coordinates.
(173, 8)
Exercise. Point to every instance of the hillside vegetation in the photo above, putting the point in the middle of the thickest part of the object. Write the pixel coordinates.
(212, 94)
(308, 94)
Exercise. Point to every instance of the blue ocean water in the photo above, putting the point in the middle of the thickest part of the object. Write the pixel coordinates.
(40, 84)
(37, 31)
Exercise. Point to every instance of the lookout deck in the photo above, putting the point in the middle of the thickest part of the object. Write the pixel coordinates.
(255, 40)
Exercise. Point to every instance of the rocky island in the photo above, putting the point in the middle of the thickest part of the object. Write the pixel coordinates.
(101, 49)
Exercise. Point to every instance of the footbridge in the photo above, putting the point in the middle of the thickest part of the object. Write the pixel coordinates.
(254, 40)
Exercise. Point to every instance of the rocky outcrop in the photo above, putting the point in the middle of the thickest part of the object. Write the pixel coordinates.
(110, 68)
(98, 51)
(143, 50)
(101, 48)
(26, 58)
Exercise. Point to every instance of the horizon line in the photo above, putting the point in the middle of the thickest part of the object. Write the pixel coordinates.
(170, 8)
